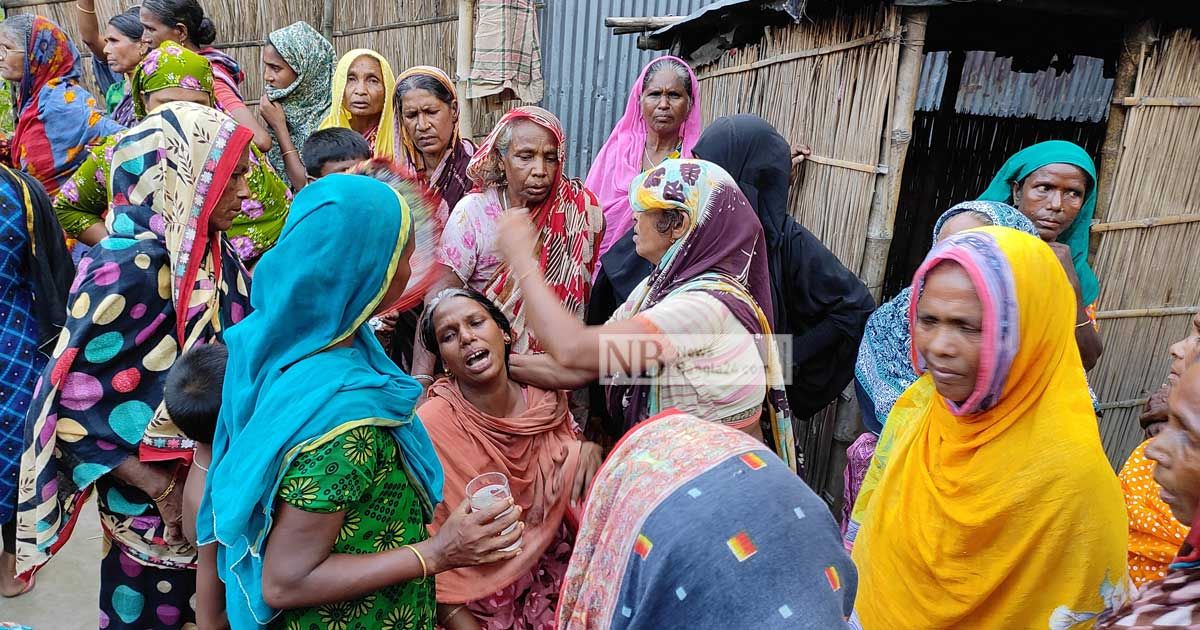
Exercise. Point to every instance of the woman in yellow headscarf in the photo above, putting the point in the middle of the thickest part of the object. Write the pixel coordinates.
(1001, 508)
(363, 89)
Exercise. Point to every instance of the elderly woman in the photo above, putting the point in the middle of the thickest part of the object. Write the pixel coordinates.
(172, 73)
(1154, 532)
(520, 166)
(431, 144)
(661, 121)
(183, 21)
(994, 451)
(362, 93)
(56, 119)
(98, 421)
(691, 524)
(1054, 184)
(35, 277)
(321, 487)
(482, 421)
(298, 69)
(1174, 600)
(688, 335)
(115, 55)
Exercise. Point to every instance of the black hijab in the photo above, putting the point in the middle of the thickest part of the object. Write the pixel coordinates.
(816, 299)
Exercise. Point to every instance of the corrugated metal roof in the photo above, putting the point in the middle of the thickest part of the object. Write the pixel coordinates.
(990, 87)
(588, 71)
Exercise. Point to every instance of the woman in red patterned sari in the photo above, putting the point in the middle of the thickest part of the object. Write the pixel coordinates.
(520, 166)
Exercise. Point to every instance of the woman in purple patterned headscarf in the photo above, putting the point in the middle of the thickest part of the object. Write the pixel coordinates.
(691, 334)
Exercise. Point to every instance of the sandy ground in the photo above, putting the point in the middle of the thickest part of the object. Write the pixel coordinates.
(68, 588)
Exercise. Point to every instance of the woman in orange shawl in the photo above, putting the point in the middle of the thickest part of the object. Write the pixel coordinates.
(1001, 509)
(481, 421)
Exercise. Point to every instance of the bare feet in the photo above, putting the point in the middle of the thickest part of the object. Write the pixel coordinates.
(10, 586)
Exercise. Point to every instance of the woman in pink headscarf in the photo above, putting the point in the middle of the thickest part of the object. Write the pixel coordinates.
(661, 121)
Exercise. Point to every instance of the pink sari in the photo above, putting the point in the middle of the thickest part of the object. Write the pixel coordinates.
(620, 159)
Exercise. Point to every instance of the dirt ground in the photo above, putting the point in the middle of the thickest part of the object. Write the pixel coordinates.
(68, 588)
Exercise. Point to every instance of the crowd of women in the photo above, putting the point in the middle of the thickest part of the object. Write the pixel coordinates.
(281, 349)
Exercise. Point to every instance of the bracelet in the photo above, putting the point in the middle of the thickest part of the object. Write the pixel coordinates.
(167, 492)
(457, 609)
(424, 568)
(424, 376)
(289, 152)
(83, 10)
(1083, 323)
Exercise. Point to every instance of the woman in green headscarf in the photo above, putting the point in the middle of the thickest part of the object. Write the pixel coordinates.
(298, 71)
(172, 73)
(1054, 184)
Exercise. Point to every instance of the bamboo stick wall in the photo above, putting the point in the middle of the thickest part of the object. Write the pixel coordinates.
(1156, 267)
(406, 32)
(834, 97)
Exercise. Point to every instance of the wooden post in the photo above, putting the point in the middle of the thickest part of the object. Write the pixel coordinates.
(327, 20)
(464, 57)
(882, 218)
(1136, 37)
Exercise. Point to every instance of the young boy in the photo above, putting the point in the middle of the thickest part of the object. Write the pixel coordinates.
(333, 150)
(193, 398)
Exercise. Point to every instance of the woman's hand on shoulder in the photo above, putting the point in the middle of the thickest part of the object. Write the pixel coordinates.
(591, 457)
(470, 539)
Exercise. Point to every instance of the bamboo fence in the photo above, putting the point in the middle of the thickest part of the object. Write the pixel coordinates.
(406, 32)
(1146, 260)
(827, 84)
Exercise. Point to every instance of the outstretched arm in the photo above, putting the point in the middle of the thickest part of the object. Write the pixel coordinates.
(570, 342)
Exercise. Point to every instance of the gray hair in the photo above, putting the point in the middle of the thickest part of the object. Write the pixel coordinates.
(19, 28)
(664, 64)
(492, 171)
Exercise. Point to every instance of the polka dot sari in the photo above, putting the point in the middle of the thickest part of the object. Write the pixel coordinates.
(154, 288)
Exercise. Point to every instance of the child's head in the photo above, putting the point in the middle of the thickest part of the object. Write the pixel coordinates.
(193, 391)
(333, 150)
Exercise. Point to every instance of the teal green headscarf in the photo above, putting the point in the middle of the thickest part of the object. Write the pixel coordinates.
(287, 391)
(1030, 159)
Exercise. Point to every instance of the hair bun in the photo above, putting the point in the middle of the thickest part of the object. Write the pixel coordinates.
(206, 33)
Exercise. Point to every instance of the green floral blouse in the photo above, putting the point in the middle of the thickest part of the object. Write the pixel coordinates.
(83, 201)
(360, 472)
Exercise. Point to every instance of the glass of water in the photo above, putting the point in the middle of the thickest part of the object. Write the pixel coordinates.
(486, 490)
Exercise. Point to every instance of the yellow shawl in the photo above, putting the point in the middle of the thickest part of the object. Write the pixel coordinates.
(385, 139)
(1010, 517)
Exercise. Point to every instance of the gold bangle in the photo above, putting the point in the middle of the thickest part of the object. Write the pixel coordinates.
(424, 568)
(166, 493)
(80, 7)
(290, 151)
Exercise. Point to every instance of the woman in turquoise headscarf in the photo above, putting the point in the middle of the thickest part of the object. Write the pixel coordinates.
(322, 476)
(1054, 184)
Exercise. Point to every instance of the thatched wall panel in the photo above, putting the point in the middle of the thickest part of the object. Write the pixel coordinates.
(1157, 267)
(836, 102)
